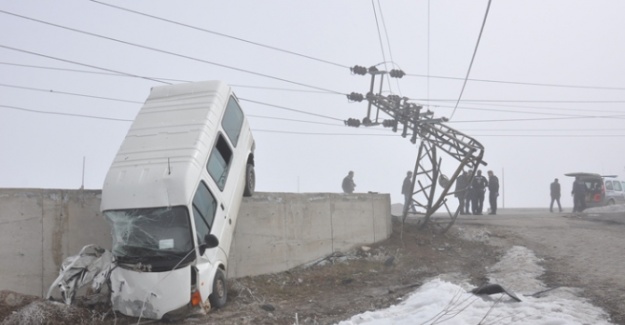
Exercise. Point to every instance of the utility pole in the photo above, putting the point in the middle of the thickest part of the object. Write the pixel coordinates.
(430, 187)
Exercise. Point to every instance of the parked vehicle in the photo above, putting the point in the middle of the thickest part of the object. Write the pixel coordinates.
(601, 190)
(614, 190)
(172, 195)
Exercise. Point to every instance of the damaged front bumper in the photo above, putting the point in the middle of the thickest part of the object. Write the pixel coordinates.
(150, 294)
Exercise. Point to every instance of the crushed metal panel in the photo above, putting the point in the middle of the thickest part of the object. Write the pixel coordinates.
(150, 294)
(92, 264)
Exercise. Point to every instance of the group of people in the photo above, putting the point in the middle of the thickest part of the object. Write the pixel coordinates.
(471, 192)
(578, 192)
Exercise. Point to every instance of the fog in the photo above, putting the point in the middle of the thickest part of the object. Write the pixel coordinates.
(544, 95)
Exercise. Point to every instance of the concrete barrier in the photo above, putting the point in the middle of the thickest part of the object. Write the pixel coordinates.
(39, 228)
(278, 231)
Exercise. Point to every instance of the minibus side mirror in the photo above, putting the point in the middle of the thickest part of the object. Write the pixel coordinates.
(210, 241)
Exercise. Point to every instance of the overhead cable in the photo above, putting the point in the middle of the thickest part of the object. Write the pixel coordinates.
(66, 114)
(79, 63)
(291, 109)
(68, 93)
(516, 82)
(166, 52)
(477, 44)
(219, 34)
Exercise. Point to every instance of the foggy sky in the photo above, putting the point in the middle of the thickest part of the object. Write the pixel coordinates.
(545, 94)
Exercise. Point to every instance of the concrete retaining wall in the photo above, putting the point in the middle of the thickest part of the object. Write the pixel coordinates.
(39, 228)
(278, 231)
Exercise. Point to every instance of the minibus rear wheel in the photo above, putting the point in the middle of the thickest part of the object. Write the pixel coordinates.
(250, 180)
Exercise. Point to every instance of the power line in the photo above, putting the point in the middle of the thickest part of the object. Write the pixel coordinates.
(65, 114)
(165, 52)
(221, 34)
(291, 109)
(283, 89)
(114, 74)
(330, 134)
(78, 63)
(68, 93)
(526, 101)
(516, 112)
(159, 78)
(544, 130)
(553, 135)
(388, 44)
(292, 120)
(534, 107)
(541, 119)
(327, 134)
(481, 135)
(518, 82)
(464, 84)
(321, 92)
(377, 25)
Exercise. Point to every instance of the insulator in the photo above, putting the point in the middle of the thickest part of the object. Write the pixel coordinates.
(373, 70)
(359, 70)
(389, 123)
(397, 73)
(356, 97)
(394, 98)
(352, 122)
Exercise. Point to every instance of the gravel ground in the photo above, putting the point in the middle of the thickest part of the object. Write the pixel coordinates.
(582, 251)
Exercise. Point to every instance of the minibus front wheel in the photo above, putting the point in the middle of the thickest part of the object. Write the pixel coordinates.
(220, 292)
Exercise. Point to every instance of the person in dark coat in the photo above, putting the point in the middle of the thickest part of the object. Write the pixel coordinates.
(493, 191)
(348, 183)
(478, 187)
(555, 195)
(462, 183)
(406, 190)
(579, 195)
(468, 199)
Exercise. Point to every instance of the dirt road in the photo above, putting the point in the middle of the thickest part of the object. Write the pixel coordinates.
(585, 251)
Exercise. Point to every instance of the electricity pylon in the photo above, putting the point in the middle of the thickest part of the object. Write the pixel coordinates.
(430, 187)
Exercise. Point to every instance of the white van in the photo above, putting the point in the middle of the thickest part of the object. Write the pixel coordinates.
(172, 195)
(614, 190)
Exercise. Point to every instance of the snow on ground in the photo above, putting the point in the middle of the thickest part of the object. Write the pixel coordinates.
(443, 302)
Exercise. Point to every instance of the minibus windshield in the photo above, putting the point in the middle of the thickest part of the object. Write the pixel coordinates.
(141, 235)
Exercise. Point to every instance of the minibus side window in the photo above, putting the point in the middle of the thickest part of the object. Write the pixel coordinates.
(219, 162)
(608, 185)
(617, 186)
(232, 121)
(204, 207)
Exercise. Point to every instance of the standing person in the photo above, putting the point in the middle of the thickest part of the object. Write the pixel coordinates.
(479, 187)
(406, 190)
(348, 183)
(468, 197)
(461, 190)
(555, 195)
(493, 191)
(579, 195)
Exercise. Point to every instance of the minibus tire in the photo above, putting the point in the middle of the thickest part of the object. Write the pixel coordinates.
(250, 180)
(220, 291)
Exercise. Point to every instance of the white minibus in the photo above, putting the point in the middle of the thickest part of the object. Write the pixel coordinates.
(172, 195)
